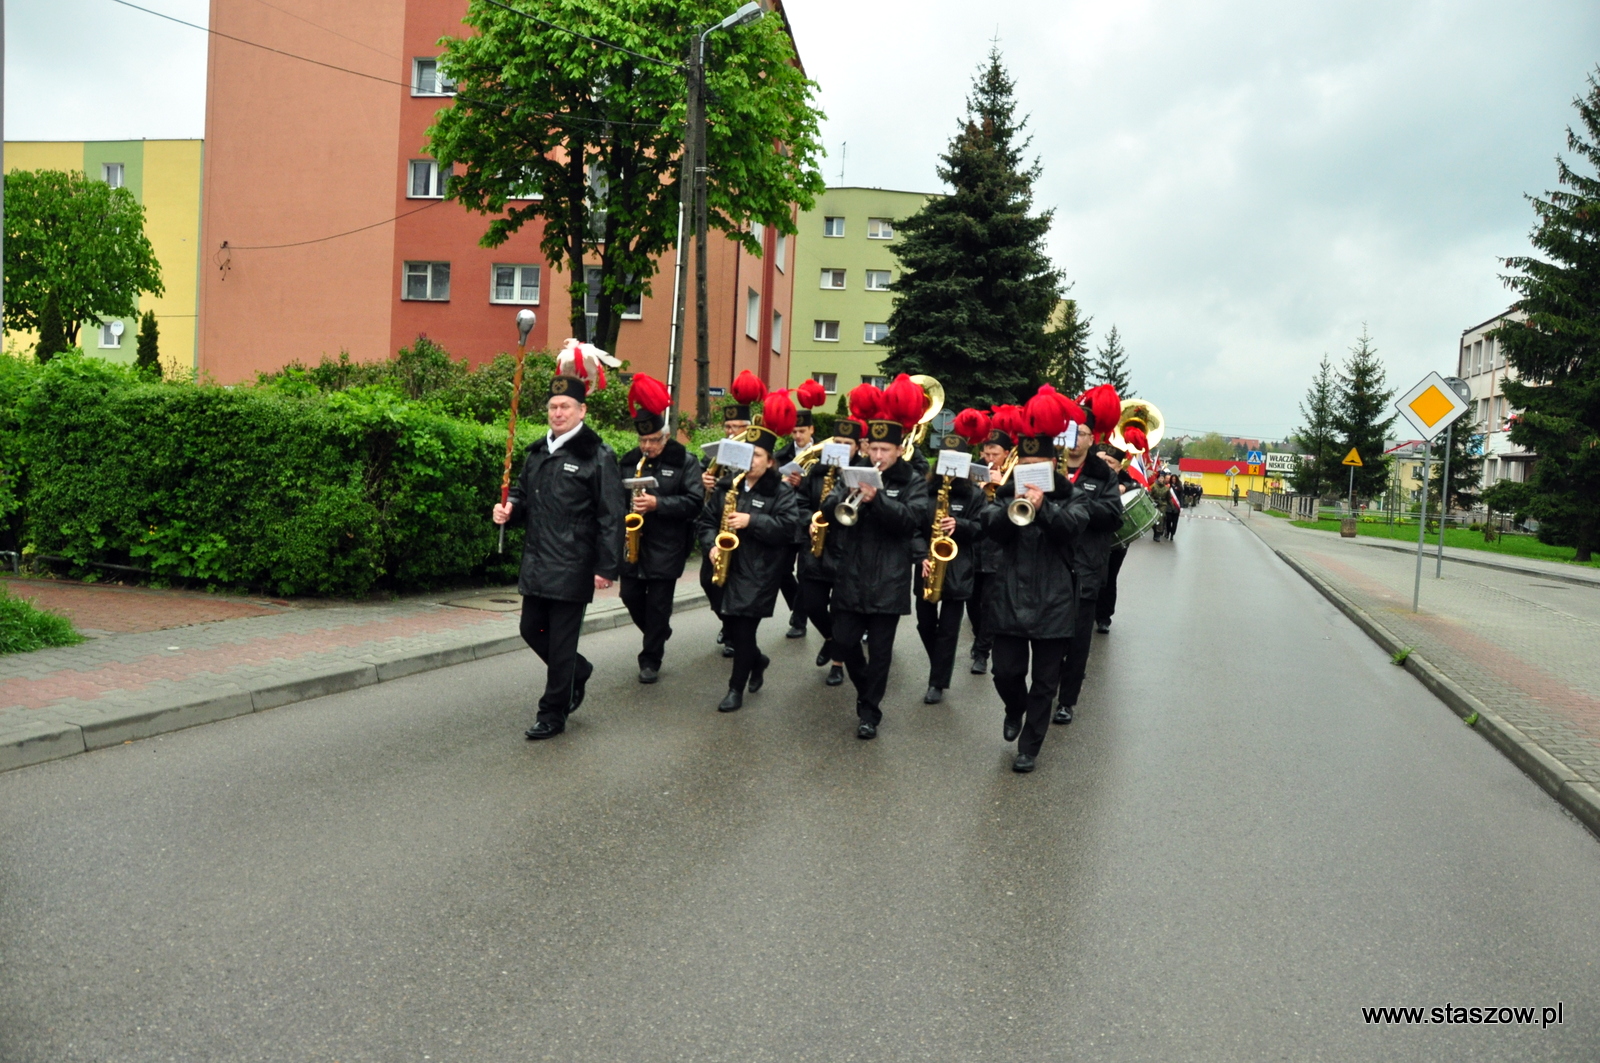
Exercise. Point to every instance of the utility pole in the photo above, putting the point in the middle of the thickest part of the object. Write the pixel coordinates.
(702, 334)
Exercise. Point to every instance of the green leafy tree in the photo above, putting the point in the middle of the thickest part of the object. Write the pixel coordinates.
(1066, 365)
(1209, 447)
(53, 339)
(148, 356)
(1110, 365)
(1319, 437)
(598, 133)
(1556, 349)
(1362, 418)
(976, 288)
(79, 240)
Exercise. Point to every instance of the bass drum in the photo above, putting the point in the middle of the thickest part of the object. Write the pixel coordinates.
(1138, 515)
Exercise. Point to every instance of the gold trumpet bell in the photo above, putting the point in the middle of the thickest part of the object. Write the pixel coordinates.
(1138, 412)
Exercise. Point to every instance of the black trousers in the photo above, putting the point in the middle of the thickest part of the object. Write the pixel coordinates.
(939, 627)
(869, 671)
(980, 587)
(1028, 703)
(551, 628)
(649, 602)
(815, 598)
(740, 633)
(1172, 522)
(1076, 660)
(790, 589)
(1108, 592)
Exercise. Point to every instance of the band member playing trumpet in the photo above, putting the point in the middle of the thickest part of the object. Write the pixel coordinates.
(1006, 426)
(747, 530)
(872, 586)
(955, 518)
(569, 498)
(657, 550)
(820, 560)
(1031, 606)
(810, 395)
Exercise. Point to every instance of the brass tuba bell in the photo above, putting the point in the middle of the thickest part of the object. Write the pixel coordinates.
(932, 403)
(1138, 412)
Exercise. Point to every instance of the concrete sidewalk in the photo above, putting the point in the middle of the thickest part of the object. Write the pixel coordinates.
(1511, 649)
(164, 661)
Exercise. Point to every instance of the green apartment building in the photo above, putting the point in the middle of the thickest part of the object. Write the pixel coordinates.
(844, 264)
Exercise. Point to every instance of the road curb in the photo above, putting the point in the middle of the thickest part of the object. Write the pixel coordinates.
(1501, 566)
(65, 733)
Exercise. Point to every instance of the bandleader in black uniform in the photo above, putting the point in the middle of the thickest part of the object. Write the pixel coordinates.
(569, 500)
(666, 513)
(817, 573)
(939, 623)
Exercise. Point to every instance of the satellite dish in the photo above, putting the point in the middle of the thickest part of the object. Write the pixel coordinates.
(116, 328)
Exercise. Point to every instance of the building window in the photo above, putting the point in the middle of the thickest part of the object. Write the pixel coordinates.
(829, 381)
(111, 173)
(877, 280)
(833, 278)
(876, 381)
(1490, 469)
(832, 226)
(428, 280)
(426, 80)
(593, 278)
(1500, 412)
(777, 333)
(1499, 353)
(880, 229)
(427, 180)
(111, 334)
(1477, 357)
(752, 313)
(825, 331)
(515, 284)
(780, 251)
(874, 332)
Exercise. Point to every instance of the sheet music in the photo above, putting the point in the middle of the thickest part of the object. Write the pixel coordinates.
(837, 454)
(735, 454)
(793, 468)
(856, 476)
(1040, 474)
(953, 463)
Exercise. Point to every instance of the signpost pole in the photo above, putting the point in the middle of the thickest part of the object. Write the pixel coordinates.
(1422, 528)
(1444, 504)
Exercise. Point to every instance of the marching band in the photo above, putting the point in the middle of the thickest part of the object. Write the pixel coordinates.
(854, 531)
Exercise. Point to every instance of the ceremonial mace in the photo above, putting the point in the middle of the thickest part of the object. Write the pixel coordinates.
(525, 320)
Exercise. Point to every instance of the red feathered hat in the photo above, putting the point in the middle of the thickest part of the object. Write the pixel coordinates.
(1006, 426)
(973, 426)
(747, 390)
(904, 402)
(810, 395)
(1104, 407)
(648, 399)
(866, 402)
(778, 413)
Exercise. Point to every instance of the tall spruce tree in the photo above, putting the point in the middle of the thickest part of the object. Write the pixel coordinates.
(1066, 365)
(1360, 422)
(976, 288)
(148, 358)
(1466, 464)
(1110, 365)
(1318, 438)
(1556, 350)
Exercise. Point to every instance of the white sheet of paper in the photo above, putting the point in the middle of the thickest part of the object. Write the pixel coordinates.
(953, 463)
(791, 469)
(837, 454)
(1039, 474)
(710, 451)
(637, 483)
(978, 473)
(861, 476)
(1072, 435)
(735, 454)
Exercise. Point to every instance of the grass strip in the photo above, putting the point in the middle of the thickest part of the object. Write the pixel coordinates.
(1459, 539)
(25, 627)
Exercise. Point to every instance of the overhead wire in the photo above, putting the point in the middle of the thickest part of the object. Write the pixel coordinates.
(335, 236)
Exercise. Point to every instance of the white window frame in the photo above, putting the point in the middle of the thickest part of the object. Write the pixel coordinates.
(886, 275)
(777, 333)
(829, 276)
(592, 276)
(518, 278)
(875, 381)
(820, 330)
(880, 229)
(114, 174)
(829, 382)
(867, 331)
(780, 251)
(828, 226)
(443, 86)
(109, 341)
(430, 271)
(435, 181)
(752, 314)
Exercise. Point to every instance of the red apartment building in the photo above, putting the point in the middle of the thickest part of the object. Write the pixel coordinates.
(323, 229)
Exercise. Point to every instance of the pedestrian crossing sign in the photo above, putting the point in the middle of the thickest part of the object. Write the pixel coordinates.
(1352, 458)
(1431, 406)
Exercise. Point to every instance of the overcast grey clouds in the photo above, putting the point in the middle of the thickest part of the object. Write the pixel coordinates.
(1238, 185)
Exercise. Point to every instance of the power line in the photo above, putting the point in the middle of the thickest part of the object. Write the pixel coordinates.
(335, 236)
(325, 29)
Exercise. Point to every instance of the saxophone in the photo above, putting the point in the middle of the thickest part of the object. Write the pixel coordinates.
(727, 539)
(819, 526)
(634, 522)
(941, 548)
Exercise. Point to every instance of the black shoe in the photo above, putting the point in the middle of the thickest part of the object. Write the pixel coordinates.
(822, 658)
(796, 631)
(835, 675)
(1011, 729)
(933, 696)
(758, 674)
(980, 663)
(733, 702)
(867, 730)
(648, 674)
(1023, 764)
(580, 687)
(727, 651)
(542, 730)
(1063, 714)
(1104, 627)
(719, 638)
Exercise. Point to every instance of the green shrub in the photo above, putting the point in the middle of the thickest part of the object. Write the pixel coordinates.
(25, 627)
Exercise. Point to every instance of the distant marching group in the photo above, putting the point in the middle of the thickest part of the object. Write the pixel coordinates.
(1026, 539)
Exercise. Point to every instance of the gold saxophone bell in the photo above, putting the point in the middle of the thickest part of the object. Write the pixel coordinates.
(727, 540)
(944, 549)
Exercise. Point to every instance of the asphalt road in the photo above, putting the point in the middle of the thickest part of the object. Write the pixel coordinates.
(1256, 827)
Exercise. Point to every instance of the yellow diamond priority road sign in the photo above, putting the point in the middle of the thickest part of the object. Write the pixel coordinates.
(1431, 406)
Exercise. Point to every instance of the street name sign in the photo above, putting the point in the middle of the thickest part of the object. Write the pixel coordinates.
(1431, 406)
(1352, 458)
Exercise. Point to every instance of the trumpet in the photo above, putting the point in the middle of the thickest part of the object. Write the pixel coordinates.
(1020, 511)
(634, 522)
(727, 539)
(941, 548)
(819, 524)
(849, 511)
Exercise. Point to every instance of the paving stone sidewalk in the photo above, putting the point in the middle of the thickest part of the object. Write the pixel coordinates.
(123, 686)
(1516, 646)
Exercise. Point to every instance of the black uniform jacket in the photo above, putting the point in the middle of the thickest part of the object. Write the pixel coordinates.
(766, 546)
(1092, 550)
(1033, 594)
(966, 506)
(874, 572)
(669, 530)
(810, 494)
(571, 503)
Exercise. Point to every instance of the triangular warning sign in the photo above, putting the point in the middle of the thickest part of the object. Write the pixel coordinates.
(1351, 458)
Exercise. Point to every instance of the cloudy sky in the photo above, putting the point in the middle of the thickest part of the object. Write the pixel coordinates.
(1238, 185)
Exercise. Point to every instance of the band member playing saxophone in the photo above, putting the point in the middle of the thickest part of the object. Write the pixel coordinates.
(658, 548)
(748, 393)
(820, 560)
(943, 596)
(747, 530)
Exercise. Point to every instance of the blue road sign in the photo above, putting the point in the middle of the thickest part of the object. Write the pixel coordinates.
(1255, 457)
